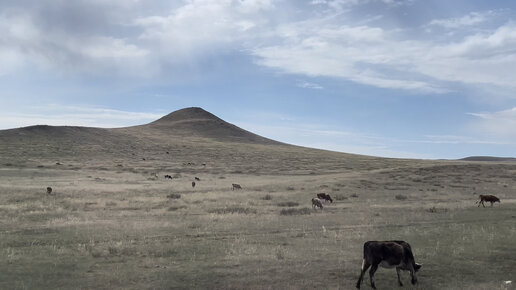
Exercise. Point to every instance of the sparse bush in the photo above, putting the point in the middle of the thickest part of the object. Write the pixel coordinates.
(222, 177)
(110, 203)
(174, 196)
(401, 197)
(232, 210)
(354, 195)
(295, 211)
(290, 188)
(288, 204)
(174, 208)
(340, 197)
(267, 197)
(435, 210)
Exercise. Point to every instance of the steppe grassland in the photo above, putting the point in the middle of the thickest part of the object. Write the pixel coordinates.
(112, 227)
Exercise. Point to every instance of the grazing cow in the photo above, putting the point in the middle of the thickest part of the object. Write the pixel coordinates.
(49, 190)
(236, 186)
(193, 184)
(489, 198)
(316, 202)
(388, 254)
(325, 196)
(197, 178)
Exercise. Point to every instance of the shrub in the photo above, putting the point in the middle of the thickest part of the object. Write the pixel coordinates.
(288, 204)
(267, 197)
(354, 195)
(174, 196)
(232, 210)
(295, 211)
(174, 208)
(401, 197)
(340, 197)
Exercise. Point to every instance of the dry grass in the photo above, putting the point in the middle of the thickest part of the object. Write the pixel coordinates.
(110, 224)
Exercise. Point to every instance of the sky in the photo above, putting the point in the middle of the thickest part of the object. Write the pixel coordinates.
(430, 79)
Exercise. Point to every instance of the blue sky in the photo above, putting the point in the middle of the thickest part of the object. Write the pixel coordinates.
(394, 78)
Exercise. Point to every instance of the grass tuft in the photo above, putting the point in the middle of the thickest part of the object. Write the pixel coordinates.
(295, 211)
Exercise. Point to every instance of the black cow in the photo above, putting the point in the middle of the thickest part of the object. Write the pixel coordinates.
(197, 178)
(193, 184)
(489, 198)
(49, 190)
(324, 196)
(388, 254)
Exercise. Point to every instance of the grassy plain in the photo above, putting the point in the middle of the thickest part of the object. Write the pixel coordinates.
(112, 224)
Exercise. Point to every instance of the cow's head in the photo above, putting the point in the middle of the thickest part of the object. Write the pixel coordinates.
(417, 266)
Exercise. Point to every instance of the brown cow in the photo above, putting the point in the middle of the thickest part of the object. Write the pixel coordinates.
(193, 184)
(490, 198)
(324, 196)
(197, 178)
(49, 190)
(316, 203)
(236, 186)
(388, 254)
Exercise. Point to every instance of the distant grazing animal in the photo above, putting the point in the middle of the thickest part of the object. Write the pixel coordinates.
(168, 176)
(168, 152)
(325, 196)
(388, 254)
(490, 198)
(49, 190)
(236, 186)
(316, 202)
(193, 184)
(197, 178)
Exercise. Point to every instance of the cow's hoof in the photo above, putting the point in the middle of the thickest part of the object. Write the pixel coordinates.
(401, 284)
(414, 282)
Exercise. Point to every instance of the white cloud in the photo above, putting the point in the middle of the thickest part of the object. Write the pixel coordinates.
(470, 19)
(24, 43)
(389, 59)
(56, 115)
(500, 125)
(203, 27)
(309, 85)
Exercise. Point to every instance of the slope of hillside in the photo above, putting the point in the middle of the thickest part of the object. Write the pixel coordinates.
(196, 122)
(190, 135)
(488, 158)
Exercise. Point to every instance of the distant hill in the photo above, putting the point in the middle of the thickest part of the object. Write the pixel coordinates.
(187, 137)
(489, 158)
(196, 122)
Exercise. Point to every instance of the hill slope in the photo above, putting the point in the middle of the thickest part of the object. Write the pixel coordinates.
(187, 136)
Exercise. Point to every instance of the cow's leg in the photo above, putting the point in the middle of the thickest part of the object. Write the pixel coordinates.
(365, 266)
(492, 204)
(482, 202)
(374, 267)
(398, 270)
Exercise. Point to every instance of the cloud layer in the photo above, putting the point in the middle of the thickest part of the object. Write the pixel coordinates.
(138, 39)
